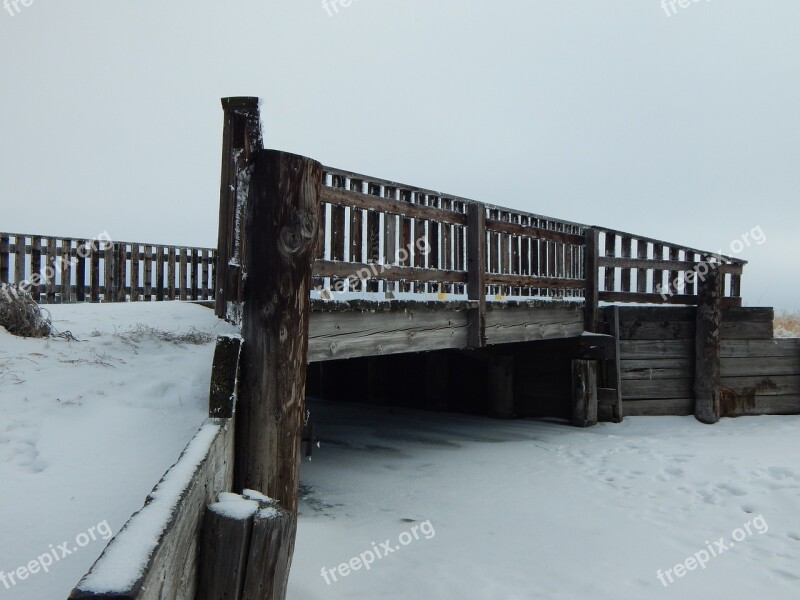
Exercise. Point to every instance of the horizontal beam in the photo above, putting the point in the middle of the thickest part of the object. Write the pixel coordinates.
(673, 265)
(339, 197)
(534, 281)
(376, 271)
(533, 232)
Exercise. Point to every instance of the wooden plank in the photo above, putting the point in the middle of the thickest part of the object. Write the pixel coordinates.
(584, 393)
(760, 348)
(375, 271)
(356, 249)
(5, 259)
(135, 290)
(183, 274)
(648, 349)
(614, 366)
(37, 266)
(758, 330)
(81, 252)
(663, 330)
(205, 267)
(591, 272)
(525, 324)
(171, 274)
(372, 242)
(501, 226)
(19, 259)
(658, 273)
(476, 269)
(610, 271)
(94, 283)
(160, 274)
(121, 272)
(551, 282)
(645, 298)
(194, 288)
(148, 274)
(707, 349)
(643, 389)
(627, 252)
(748, 314)
(340, 335)
(342, 198)
(764, 385)
(390, 237)
(681, 407)
(675, 273)
(760, 366)
(66, 271)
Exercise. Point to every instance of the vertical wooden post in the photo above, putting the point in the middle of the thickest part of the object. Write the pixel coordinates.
(591, 273)
(476, 273)
(94, 284)
(706, 358)
(584, 393)
(36, 264)
(281, 231)
(241, 137)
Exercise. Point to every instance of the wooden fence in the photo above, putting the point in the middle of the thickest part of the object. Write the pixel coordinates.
(61, 270)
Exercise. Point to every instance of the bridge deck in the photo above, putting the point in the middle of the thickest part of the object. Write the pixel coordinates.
(356, 328)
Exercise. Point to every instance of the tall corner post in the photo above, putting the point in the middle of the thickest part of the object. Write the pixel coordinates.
(707, 380)
(241, 138)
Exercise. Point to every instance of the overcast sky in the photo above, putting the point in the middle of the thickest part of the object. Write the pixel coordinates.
(678, 124)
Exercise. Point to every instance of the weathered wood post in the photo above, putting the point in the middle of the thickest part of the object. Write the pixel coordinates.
(584, 393)
(706, 358)
(476, 273)
(281, 229)
(591, 274)
(241, 138)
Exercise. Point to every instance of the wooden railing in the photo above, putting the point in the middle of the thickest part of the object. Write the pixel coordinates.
(61, 270)
(636, 268)
(382, 236)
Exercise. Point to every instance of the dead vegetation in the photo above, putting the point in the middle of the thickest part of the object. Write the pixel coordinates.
(141, 332)
(787, 325)
(21, 315)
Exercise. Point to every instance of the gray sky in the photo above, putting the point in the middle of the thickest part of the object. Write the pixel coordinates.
(683, 127)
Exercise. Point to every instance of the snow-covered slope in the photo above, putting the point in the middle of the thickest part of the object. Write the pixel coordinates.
(89, 427)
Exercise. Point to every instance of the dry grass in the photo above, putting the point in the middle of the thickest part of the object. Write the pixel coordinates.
(787, 325)
(20, 315)
(141, 332)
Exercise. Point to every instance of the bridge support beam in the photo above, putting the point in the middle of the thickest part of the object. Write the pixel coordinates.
(707, 348)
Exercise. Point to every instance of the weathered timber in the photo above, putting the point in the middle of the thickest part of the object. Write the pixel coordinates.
(476, 269)
(592, 289)
(584, 393)
(284, 199)
(707, 349)
(241, 138)
(270, 555)
(681, 407)
(224, 550)
(224, 376)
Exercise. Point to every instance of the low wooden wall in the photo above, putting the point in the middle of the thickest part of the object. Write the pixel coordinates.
(155, 555)
(760, 375)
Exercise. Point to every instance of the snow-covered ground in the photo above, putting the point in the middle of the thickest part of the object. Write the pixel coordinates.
(481, 509)
(439, 505)
(89, 427)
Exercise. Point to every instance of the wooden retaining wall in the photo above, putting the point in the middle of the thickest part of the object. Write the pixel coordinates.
(759, 374)
(173, 512)
(62, 270)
